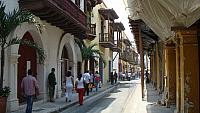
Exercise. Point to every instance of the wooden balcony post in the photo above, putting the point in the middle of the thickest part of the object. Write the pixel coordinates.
(158, 68)
(187, 49)
(141, 60)
(170, 72)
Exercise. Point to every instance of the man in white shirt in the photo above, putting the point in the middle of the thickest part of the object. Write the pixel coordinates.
(86, 77)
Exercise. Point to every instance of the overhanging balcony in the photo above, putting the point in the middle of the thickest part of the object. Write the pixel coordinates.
(91, 32)
(117, 46)
(106, 40)
(61, 13)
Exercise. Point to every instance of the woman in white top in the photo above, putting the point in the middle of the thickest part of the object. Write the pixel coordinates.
(69, 86)
(80, 88)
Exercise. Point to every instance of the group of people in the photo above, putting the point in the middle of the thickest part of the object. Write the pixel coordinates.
(82, 85)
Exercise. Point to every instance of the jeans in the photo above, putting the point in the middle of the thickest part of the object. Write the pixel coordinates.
(97, 86)
(87, 89)
(29, 100)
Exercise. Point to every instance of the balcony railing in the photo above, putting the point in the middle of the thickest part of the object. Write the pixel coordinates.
(61, 13)
(91, 33)
(106, 37)
(92, 28)
(117, 46)
(72, 9)
(106, 40)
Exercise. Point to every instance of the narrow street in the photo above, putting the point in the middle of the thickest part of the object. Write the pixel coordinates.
(118, 101)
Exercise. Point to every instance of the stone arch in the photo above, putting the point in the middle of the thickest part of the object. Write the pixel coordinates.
(66, 47)
(20, 32)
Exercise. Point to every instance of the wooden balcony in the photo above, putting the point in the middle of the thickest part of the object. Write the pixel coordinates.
(91, 32)
(127, 42)
(61, 13)
(106, 40)
(108, 14)
(122, 56)
(117, 46)
(93, 3)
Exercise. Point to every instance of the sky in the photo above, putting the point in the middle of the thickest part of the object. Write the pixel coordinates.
(119, 7)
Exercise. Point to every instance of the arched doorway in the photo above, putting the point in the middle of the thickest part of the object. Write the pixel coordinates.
(64, 66)
(27, 60)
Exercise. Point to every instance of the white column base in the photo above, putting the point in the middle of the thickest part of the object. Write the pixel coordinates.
(59, 93)
(13, 105)
(176, 111)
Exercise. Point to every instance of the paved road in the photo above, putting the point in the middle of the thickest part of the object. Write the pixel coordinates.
(118, 101)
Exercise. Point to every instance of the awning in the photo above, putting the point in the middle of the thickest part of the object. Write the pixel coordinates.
(161, 15)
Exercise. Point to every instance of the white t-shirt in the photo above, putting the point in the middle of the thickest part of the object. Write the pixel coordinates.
(80, 83)
(86, 77)
(69, 81)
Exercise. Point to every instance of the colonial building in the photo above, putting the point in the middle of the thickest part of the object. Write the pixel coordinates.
(58, 23)
(104, 18)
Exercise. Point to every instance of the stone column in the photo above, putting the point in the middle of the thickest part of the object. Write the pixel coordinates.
(75, 70)
(59, 82)
(170, 66)
(13, 102)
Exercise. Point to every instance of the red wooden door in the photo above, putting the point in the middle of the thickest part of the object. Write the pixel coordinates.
(28, 59)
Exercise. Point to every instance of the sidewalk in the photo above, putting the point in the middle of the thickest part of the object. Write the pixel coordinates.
(150, 102)
(60, 104)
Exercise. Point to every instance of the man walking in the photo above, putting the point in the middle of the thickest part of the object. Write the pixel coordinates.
(51, 84)
(86, 78)
(29, 87)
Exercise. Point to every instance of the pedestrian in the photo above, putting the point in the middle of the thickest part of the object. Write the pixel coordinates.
(147, 76)
(112, 78)
(97, 80)
(120, 75)
(115, 77)
(86, 77)
(91, 81)
(79, 86)
(30, 87)
(69, 83)
(51, 84)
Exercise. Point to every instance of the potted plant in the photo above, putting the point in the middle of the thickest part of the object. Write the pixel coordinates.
(8, 23)
(4, 93)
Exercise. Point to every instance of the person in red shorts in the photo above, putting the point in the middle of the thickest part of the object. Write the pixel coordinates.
(79, 85)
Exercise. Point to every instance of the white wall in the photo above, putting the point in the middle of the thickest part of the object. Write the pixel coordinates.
(116, 61)
(50, 41)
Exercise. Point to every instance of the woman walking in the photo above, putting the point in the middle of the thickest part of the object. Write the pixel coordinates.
(79, 85)
(69, 86)
(97, 80)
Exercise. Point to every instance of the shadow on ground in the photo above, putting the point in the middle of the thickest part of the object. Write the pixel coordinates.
(152, 99)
